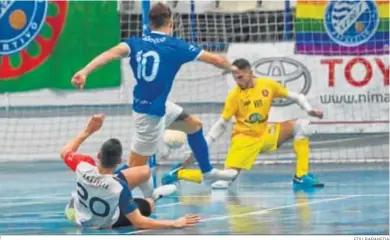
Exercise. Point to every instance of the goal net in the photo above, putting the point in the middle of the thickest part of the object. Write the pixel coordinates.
(350, 86)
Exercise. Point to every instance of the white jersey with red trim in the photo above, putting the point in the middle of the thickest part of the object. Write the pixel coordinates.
(99, 198)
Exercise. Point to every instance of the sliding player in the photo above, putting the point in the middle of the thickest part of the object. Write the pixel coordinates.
(250, 102)
(155, 60)
(104, 200)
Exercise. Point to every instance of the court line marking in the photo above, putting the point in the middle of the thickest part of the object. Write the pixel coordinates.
(168, 205)
(260, 212)
(24, 214)
(327, 184)
(284, 196)
(35, 198)
(21, 204)
(343, 140)
(44, 214)
(26, 221)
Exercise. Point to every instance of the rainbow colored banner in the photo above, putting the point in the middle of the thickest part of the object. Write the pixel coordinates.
(342, 27)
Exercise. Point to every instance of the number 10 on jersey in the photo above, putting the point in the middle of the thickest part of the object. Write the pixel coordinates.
(147, 65)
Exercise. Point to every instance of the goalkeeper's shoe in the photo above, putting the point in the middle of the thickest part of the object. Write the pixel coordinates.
(314, 177)
(221, 184)
(216, 174)
(308, 180)
(171, 176)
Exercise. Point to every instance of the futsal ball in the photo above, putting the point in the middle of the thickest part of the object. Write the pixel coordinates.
(174, 139)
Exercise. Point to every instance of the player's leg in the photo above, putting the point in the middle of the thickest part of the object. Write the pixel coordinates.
(299, 130)
(70, 212)
(223, 184)
(241, 155)
(147, 132)
(272, 138)
(145, 206)
(275, 136)
(139, 175)
(136, 160)
(135, 175)
(192, 126)
(178, 119)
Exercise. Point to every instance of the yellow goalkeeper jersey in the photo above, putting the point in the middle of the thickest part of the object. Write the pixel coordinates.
(251, 106)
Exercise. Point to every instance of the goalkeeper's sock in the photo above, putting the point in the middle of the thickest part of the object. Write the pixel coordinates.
(191, 175)
(200, 149)
(301, 148)
(123, 167)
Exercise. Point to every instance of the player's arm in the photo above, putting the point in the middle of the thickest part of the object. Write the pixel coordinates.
(229, 110)
(190, 52)
(299, 98)
(119, 51)
(68, 152)
(142, 222)
(217, 60)
(74, 143)
(129, 208)
(217, 130)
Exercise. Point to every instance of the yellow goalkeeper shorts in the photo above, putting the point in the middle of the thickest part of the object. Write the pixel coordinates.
(244, 149)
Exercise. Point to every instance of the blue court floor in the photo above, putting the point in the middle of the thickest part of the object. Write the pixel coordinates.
(354, 201)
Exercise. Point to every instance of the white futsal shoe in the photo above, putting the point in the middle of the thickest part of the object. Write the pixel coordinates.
(221, 184)
(164, 191)
(216, 174)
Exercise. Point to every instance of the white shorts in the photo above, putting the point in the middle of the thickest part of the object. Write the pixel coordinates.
(149, 129)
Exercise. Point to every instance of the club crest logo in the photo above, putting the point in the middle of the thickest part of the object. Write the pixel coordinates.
(29, 31)
(351, 22)
(255, 118)
(265, 93)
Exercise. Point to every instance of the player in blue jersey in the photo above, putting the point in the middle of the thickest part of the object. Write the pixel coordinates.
(155, 60)
(104, 200)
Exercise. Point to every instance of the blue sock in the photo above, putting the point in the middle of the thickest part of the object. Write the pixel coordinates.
(200, 149)
(123, 167)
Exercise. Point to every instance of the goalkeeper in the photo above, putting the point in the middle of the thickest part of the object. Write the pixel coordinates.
(250, 102)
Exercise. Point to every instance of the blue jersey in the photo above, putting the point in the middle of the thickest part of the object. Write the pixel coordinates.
(155, 60)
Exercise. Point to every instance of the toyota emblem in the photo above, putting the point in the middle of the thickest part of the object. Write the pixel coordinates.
(288, 72)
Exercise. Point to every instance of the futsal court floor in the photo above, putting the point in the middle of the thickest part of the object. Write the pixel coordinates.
(354, 201)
